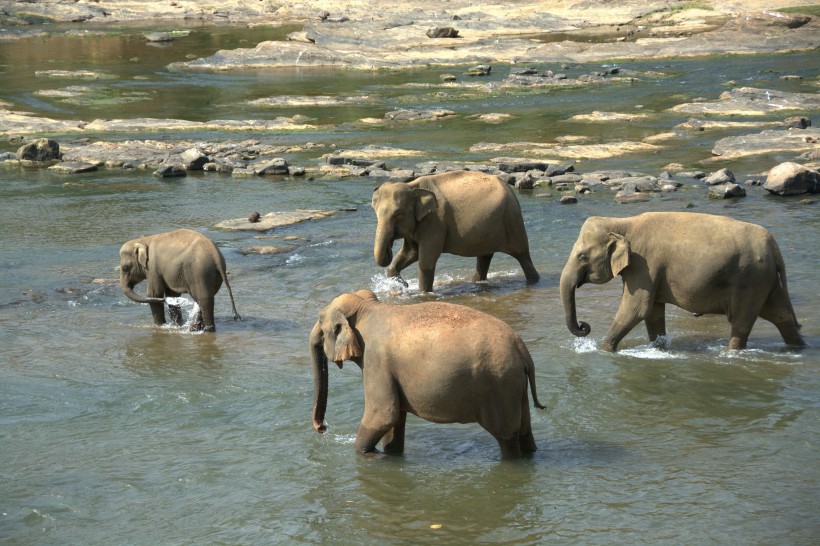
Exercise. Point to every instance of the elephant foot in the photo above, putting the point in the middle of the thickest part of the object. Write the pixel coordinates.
(398, 278)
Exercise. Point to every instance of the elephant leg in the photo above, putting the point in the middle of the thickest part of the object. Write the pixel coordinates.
(381, 409)
(393, 441)
(206, 313)
(656, 321)
(482, 266)
(779, 311)
(175, 314)
(525, 261)
(427, 270)
(526, 441)
(510, 447)
(742, 313)
(632, 310)
(407, 255)
(158, 312)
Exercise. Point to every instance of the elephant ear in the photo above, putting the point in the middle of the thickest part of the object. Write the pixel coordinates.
(141, 251)
(347, 342)
(618, 253)
(375, 199)
(425, 202)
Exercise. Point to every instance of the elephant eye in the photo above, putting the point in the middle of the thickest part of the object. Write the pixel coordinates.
(583, 257)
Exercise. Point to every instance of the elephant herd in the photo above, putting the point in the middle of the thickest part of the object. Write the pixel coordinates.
(450, 363)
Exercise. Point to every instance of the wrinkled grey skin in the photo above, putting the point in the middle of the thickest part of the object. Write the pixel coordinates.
(174, 263)
(702, 263)
(442, 362)
(461, 212)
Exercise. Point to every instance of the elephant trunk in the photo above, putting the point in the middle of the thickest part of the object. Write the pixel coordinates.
(383, 245)
(128, 290)
(569, 280)
(319, 378)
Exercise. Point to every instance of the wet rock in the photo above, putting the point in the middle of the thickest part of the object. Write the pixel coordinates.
(726, 191)
(274, 220)
(723, 176)
(797, 122)
(751, 101)
(568, 200)
(159, 36)
(73, 167)
(792, 179)
(277, 166)
(418, 115)
(480, 70)
(253, 218)
(768, 141)
(170, 171)
(42, 149)
(266, 250)
(522, 166)
(193, 159)
(442, 32)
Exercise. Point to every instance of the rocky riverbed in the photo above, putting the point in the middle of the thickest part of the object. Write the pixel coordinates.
(460, 40)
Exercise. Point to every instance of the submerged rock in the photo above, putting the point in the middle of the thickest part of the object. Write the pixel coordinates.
(274, 220)
(726, 191)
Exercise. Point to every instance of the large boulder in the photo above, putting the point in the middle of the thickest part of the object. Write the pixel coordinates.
(42, 149)
(792, 179)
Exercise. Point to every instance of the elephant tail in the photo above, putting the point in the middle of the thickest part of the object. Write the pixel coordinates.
(781, 273)
(529, 366)
(224, 274)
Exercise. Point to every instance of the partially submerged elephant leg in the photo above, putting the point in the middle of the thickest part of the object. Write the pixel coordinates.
(656, 322)
(393, 441)
(158, 312)
(525, 261)
(407, 255)
(510, 447)
(482, 266)
(526, 441)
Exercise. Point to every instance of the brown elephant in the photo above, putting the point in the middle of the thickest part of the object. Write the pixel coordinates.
(460, 212)
(174, 263)
(442, 362)
(702, 263)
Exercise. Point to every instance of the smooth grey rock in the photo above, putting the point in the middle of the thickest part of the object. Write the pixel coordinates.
(792, 179)
(277, 166)
(170, 171)
(726, 191)
(73, 167)
(723, 176)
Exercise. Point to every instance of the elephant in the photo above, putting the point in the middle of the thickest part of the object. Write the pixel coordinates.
(702, 263)
(459, 212)
(443, 362)
(175, 262)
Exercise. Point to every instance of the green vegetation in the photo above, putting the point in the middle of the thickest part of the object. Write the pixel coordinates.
(807, 10)
(692, 4)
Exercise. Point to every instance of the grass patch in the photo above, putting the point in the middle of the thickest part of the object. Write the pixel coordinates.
(807, 10)
(693, 4)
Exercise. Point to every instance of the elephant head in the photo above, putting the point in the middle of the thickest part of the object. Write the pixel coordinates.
(134, 263)
(597, 256)
(334, 336)
(398, 208)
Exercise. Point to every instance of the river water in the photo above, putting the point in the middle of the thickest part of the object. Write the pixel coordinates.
(113, 431)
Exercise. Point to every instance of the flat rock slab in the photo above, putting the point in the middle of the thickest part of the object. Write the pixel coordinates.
(751, 101)
(769, 141)
(274, 220)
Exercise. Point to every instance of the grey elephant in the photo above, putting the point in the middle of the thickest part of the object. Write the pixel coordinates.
(460, 212)
(445, 363)
(703, 263)
(174, 263)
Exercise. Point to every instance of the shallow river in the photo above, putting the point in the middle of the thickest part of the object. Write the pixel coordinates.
(113, 431)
